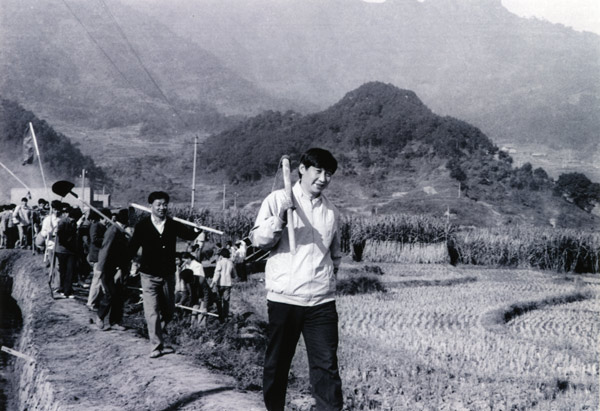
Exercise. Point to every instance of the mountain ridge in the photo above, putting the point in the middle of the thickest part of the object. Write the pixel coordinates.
(61, 158)
(517, 79)
(97, 61)
(396, 155)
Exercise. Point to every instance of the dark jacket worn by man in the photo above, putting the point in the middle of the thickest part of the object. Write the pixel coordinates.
(158, 250)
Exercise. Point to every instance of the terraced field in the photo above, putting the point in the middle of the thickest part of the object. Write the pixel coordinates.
(448, 338)
(504, 339)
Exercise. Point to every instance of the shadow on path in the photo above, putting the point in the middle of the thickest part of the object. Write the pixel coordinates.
(194, 396)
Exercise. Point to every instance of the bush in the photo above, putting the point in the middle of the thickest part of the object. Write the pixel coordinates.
(359, 285)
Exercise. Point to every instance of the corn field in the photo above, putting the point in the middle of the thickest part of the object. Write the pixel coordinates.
(520, 247)
(428, 240)
(404, 229)
(236, 224)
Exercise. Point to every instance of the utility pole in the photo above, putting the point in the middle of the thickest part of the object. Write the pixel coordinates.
(83, 185)
(194, 172)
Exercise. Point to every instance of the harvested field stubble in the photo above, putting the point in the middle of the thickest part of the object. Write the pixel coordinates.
(395, 252)
(442, 338)
(428, 347)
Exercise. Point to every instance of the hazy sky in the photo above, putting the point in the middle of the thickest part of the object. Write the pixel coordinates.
(578, 14)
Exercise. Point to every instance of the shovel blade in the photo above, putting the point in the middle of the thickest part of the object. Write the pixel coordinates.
(63, 187)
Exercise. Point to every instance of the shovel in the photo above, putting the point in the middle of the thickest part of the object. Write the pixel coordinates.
(63, 187)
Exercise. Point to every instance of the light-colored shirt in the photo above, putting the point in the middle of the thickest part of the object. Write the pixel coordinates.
(307, 277)
(223, 273)
(196, 267)
(49, 224)
(179, 285)
(158, 224)
(200, 239)
(240, 255)
(21, 214)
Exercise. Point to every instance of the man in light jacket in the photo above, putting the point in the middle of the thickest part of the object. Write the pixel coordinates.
(301, 286)
(22, 219)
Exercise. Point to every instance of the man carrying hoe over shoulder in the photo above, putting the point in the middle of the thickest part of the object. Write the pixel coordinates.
(157, 236)
(301, 285)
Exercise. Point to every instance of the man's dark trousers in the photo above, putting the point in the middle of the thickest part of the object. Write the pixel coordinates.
(112, 300)
(319, 328)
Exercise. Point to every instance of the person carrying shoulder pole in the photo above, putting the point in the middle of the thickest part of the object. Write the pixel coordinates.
(301, 283)
(157, 235)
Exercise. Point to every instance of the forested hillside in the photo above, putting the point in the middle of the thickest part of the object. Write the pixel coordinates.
(397, 155)
(60, 158)
(104, 65)
(376, 123)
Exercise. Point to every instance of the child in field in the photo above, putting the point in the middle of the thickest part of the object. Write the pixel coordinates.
(221, 282)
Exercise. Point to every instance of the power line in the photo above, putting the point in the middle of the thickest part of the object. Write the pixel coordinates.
(139, 59)
(93, 39)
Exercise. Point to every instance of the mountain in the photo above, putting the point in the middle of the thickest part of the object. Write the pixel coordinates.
(521, 81)
(61, 159)
(105, 65)
(396, 155)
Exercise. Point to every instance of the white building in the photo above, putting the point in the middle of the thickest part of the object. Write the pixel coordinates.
(86, 194)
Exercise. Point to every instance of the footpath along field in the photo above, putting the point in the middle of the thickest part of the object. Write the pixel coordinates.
(448, 338)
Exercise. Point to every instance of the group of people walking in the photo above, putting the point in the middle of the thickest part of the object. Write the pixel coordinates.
(20, 224)
(76, 243)
(300, 280)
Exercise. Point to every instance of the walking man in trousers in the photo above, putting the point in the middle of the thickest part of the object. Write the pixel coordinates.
(301, 286)
(157, 236)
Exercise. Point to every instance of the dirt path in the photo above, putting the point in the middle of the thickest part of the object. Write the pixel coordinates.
(89, 369)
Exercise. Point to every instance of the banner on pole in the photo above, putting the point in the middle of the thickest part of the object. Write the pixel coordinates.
(28, 146)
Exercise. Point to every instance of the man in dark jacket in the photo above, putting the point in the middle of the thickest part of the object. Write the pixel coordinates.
(97, 230)
(66, 250)
(113, 264)
(157, 236)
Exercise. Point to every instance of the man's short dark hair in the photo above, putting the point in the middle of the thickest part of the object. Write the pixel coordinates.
(186, 275)
(56, 204)
(106, 212)
(93, 216)
(319, 158)
(225, 253)
(158, 195)
(24, 199)
(123, 216)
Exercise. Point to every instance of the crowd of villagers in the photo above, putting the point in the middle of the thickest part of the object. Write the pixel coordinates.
(83, 249)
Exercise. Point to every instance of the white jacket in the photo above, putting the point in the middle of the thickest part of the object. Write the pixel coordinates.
(223, 272)
(306, 278)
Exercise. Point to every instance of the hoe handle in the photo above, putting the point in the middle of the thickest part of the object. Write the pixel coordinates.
(287, 183)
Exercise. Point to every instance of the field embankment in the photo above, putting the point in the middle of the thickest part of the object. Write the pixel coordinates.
(76, 367)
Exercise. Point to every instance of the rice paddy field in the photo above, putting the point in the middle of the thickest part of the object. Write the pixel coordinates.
(462, 338)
